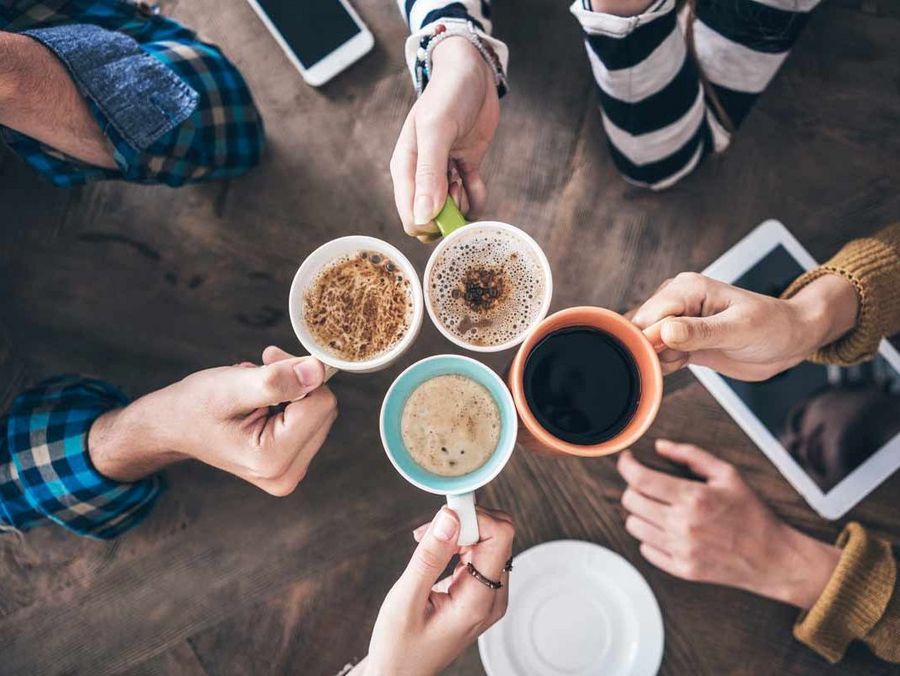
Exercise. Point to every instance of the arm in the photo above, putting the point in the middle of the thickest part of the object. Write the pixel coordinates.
(39, 99)
(718, 531)
(742, 334)
(79, 456)
(460, 78)
(171, 108)
(426, 622)
(861, 601)
(870, 266)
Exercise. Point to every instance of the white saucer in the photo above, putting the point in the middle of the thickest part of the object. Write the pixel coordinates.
(575, 609)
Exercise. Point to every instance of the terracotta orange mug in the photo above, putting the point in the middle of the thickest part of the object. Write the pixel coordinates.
(535, 437)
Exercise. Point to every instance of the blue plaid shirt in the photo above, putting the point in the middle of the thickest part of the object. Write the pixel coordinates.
(173, 107)
(46, 471)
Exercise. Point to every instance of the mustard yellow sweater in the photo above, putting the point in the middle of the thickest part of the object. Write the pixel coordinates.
(862, 599)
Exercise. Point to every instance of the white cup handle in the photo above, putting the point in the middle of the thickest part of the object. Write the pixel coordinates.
(464, 506)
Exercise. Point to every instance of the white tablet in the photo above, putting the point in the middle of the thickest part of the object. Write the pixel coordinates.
(833, 432)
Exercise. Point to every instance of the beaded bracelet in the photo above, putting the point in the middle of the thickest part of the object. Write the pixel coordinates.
(442, 31)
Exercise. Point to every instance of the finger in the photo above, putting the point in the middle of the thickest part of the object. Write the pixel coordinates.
(651, 483)
(684, 295)
(495, 513)
(668, 356)
(658, 557)
(429, 559)
(272, 384)
(689, 334)
(476, 191)
(646, 532)
(647, 508)
(700, 462)
(671, 367)
(488, 557)
(403, 173)
(419, 532)
(434, 137)
(274, 353)
(301, 419)
(458, 194)
(298, 461)
(429, 238)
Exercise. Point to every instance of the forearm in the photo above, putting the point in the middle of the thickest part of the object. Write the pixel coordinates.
(125, 444)
(39, 99)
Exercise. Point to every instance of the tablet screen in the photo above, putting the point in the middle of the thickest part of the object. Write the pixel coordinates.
(830, 419)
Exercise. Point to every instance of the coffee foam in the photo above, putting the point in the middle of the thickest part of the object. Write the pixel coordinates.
(487, 255)
(358, 306)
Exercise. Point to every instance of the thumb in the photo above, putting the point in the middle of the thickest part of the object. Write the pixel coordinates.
(277, 382)
(689, 334)
(432, 159)
(431, 557)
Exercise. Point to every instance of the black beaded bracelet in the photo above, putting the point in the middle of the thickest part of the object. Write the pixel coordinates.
(439, 32)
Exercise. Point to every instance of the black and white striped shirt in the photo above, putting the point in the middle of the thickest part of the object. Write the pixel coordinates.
(659, 119)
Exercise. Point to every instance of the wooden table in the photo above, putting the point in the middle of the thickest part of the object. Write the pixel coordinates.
(144, 285)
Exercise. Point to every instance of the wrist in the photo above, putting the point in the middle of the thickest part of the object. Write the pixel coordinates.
(801, 570)
(457, 53)
(826, 309)
(125, 445)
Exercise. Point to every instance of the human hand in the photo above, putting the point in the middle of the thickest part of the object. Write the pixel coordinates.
(717, 530)
(222, 417)
(741, 334)
(424, 624)
(449, 128)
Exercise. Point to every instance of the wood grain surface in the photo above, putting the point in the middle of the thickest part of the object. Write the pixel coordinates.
(142, 285)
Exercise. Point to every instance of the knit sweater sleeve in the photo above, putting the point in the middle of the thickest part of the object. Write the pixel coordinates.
(872, 265)
(860, 602)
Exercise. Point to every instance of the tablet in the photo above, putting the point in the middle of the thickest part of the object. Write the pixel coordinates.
(833, 432)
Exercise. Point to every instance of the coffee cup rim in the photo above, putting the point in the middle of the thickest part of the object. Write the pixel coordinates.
(508, 423)
(465, 231)
(313, 264)
(646, 360)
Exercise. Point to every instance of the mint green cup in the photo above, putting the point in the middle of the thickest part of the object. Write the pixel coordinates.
(460, 490)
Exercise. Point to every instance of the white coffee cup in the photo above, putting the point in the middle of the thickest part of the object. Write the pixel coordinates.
(454, 227)
(306, 275)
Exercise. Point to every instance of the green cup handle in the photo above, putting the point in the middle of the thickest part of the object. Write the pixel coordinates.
(449, 218)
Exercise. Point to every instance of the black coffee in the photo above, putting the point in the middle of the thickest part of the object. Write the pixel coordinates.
(582, 385)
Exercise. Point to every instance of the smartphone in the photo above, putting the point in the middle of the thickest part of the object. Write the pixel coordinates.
(320, 37)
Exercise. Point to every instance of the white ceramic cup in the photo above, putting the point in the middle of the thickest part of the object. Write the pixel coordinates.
(466, 231)
(306, 275)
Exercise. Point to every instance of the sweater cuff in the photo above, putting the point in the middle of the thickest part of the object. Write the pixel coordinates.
(871, 265)
(855, 597)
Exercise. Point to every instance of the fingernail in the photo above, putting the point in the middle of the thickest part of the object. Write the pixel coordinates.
(422, 210)
(443, 526)
(418, 532)
(663, 443)
(307, 373)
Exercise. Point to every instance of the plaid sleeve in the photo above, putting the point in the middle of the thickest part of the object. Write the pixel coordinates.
(46, 470)
(221, 137)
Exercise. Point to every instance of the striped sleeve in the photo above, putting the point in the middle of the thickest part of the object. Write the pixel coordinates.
(420, 15)
(659, 119)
